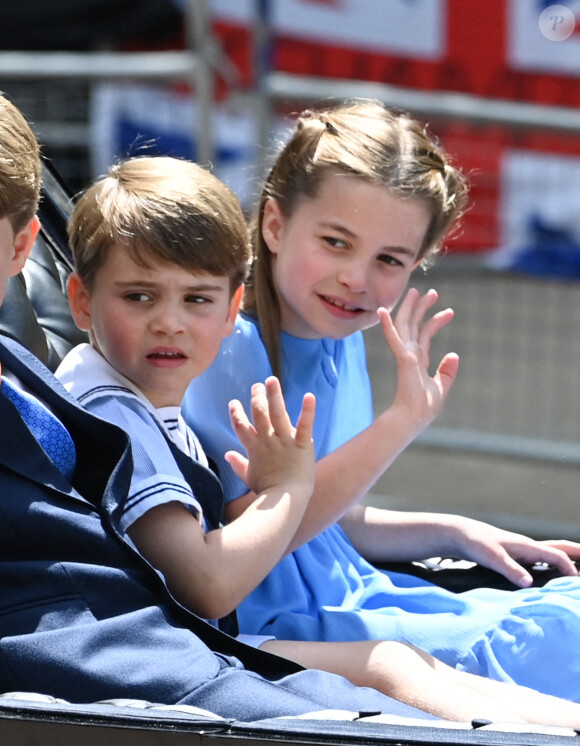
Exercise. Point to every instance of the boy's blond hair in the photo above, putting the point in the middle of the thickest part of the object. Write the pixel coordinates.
(159, 208)
(20, 167)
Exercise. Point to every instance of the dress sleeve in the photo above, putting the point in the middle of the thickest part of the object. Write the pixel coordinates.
(156, 477)
(241, 361)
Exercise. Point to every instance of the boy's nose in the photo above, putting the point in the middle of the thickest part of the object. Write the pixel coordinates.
(167, 320)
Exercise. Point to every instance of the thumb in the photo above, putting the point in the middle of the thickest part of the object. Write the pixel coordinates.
(447, 371)
(238, 463)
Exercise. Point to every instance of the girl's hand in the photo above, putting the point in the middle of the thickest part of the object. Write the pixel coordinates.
(279, 455)
(409, 337)
(503, 551)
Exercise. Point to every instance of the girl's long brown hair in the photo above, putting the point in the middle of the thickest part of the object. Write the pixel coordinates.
(363, 139)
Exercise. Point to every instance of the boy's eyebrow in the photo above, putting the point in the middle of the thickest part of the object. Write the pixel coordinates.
(349, 234)
(200, 286)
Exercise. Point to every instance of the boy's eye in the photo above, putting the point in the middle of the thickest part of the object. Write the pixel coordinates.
(138, 297)
(199, 299)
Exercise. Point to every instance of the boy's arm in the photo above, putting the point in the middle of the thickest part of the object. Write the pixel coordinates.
(212, 573)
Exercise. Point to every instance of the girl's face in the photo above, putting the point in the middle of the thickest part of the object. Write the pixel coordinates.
(342, 255)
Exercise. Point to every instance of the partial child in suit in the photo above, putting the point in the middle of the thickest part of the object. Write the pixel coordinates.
(160, 250)
(20, 181)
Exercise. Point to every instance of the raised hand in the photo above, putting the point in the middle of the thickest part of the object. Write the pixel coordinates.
(409, 337)
(277, 453)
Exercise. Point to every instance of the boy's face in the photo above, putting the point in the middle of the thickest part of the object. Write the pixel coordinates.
(159, 326)
(14, 249)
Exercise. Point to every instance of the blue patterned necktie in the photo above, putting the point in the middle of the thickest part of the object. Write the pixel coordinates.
(46, 428)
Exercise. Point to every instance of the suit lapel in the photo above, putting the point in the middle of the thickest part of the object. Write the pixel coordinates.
(98, 444)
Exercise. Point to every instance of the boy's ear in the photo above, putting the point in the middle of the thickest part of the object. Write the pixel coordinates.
(79, 300)
(23, 242)
(233, 309)
(272, 223)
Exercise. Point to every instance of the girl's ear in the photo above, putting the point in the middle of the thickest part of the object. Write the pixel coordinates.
(233, 309)
(272, 224)
(80, 302)
(23, 242)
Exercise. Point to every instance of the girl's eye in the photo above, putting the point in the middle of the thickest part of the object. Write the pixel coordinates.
(199, 299)
(391, 260)
(138, 297)
(336, 243)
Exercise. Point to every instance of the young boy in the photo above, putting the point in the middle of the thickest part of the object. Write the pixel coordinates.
(160, 252)
(84, 617)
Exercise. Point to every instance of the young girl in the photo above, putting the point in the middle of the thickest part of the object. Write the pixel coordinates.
(356, 200)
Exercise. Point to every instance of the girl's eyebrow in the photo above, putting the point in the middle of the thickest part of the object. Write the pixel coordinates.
(403, 250)
(339, 228)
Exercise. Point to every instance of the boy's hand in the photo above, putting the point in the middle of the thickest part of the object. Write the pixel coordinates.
(279, 455)
(409, 337)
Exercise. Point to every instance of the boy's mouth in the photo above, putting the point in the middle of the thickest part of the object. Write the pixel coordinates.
(165, 355)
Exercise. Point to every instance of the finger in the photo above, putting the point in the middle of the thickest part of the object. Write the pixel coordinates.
(571, 548)
(306, 420)
(405, 312)
(396, 344)
(556, 558)
(518, 575)
(238, 416)
(507, 566)
(277, 412)
(447, 372)
(434, 325)
(429, 329)
(260, 408)
(423, 304)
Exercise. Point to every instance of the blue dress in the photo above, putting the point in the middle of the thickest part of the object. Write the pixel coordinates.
(326, 590)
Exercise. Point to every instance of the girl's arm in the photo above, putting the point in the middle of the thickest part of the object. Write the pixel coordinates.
(344, 476)
(386, 535)
(212, 573)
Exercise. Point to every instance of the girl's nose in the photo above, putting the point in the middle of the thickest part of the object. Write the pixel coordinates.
(355, 276)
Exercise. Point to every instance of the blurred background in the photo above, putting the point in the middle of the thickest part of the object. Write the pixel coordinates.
(497, 81)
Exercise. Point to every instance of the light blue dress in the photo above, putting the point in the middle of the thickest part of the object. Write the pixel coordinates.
(325, 590)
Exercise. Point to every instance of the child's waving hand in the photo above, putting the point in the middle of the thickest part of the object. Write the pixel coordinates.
(409, 337)
(278, 454)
